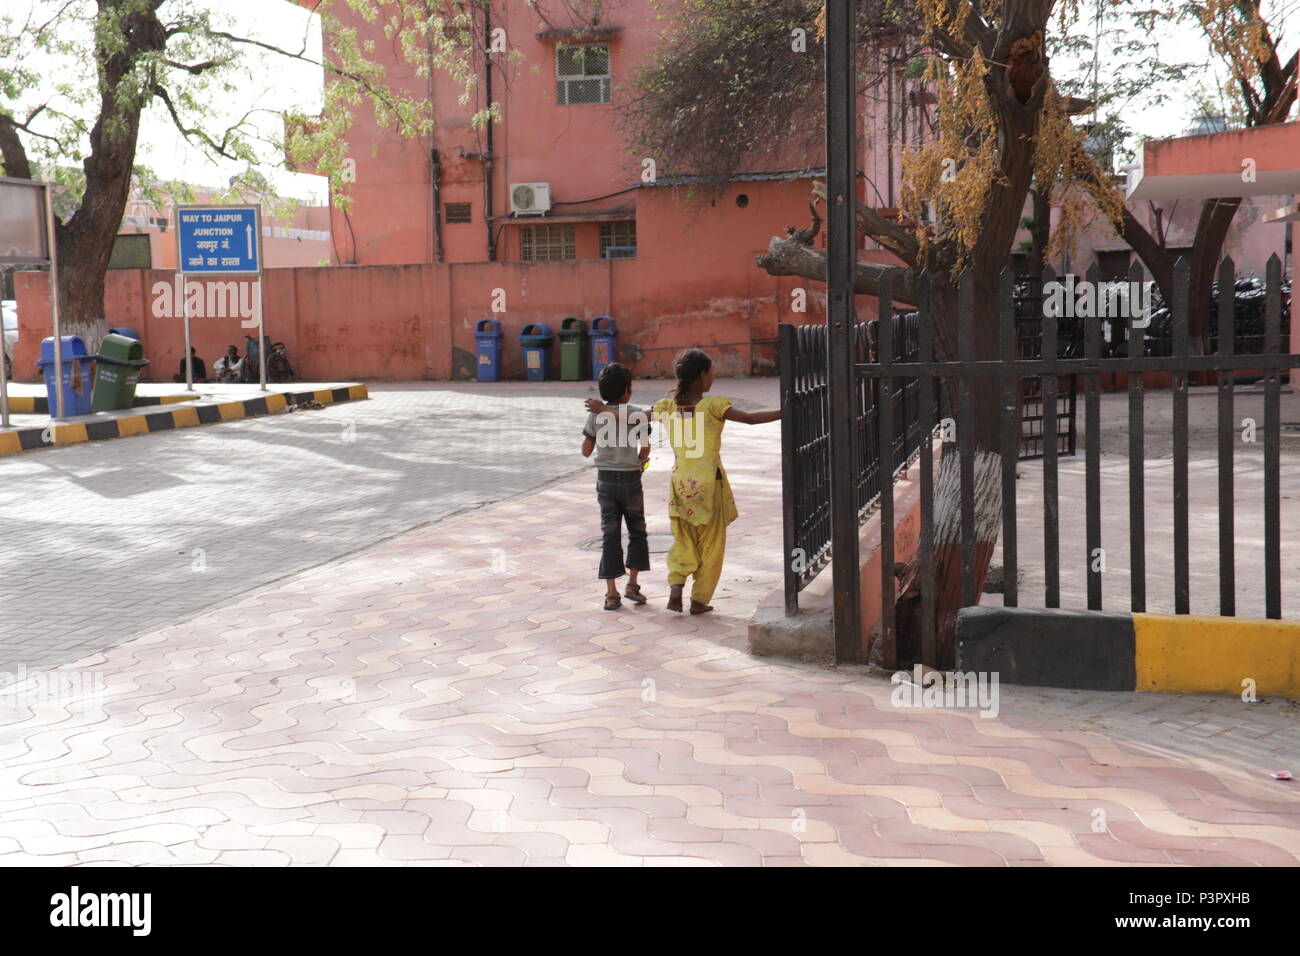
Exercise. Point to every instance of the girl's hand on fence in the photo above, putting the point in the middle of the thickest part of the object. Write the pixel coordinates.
(752, 418)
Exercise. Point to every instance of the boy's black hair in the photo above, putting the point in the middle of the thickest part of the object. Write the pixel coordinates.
(614, 381)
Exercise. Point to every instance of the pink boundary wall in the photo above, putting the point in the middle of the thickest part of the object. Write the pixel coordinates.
(401, 323)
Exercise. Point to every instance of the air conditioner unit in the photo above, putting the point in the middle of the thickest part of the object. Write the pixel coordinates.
(530, 199)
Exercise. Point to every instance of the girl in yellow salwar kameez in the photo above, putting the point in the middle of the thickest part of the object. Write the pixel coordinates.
(700, 503)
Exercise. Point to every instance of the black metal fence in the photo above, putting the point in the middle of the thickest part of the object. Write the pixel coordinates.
(1027, 302)
(802, 363)
(805, 457)
(1225, 363)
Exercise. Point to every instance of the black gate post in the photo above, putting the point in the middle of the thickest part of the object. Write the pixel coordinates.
(788, 344)
(841, 319)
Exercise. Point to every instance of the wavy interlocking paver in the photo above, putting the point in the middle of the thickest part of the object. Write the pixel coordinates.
(414, 706)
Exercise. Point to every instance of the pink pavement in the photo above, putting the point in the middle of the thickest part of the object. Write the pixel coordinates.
(459, 697)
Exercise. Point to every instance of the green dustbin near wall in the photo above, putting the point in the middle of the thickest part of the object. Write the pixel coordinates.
(117, 370)
(573, 348)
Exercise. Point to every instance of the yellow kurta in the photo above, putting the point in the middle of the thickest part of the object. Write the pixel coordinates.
(700, 503)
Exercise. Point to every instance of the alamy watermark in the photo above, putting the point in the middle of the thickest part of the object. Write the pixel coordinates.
(208, 299)
(81, 692)
(948, 690)
(1075, 298)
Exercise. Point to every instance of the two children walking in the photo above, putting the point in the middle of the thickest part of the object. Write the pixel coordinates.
(700, 502)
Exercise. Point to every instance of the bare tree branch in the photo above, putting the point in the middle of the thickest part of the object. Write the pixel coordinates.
(790, 257)
(192, 132)
(901, 242)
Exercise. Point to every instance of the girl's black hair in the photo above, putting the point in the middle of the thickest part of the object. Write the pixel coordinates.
(691, 364)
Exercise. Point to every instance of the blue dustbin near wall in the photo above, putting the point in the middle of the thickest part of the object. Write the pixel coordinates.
(488, 336)
(536, 339)
(604, 351)
(76, 375)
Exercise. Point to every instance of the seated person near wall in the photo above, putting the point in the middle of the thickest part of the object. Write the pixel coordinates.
(199, 371)
(230, 366)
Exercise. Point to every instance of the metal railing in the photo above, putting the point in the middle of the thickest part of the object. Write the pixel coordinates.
(805, 449)
(1005, 372)
(802, 364)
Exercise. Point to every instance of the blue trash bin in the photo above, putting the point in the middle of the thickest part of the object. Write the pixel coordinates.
(537, 339)
(76, 375)
(604, 350)
(488, 335)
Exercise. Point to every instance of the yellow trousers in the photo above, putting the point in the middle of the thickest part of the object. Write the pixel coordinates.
(698, 549)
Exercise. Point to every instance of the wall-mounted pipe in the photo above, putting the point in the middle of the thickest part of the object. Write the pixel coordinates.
(436, 177)
(488, 155)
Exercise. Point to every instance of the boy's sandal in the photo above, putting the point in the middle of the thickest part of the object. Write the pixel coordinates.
(633, 594)
(675, 599)
(612, 602)
(698, 608)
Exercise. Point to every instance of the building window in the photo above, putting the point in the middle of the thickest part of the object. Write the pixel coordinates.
(582, 74)
(618, 240)
(548, 243)
(458, 212)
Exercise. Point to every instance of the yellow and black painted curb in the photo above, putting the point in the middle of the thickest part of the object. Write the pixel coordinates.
(71, 433)
(40, 404)
(1099, 650)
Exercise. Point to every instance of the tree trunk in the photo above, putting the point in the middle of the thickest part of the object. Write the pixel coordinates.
(85, 241)
(985, 439)
(1207, 250)
(1040, 232)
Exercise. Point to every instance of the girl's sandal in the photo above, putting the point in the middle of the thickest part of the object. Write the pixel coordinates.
(675, 598)
(612, 602)
(698, 608)
(633, 594)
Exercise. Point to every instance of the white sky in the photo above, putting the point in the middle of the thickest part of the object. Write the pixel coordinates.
(277, 83)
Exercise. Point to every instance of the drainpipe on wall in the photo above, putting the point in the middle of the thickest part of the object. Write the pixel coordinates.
(487, 156)
(436, 177)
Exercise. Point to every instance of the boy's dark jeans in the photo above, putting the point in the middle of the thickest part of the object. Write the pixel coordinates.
(620, 497)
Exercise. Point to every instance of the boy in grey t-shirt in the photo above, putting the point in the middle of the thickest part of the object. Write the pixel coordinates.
(620, 439)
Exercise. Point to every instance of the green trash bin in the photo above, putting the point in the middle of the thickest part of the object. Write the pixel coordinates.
(117, 370)
(573, 348)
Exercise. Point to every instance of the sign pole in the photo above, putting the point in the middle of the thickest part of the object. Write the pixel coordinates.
(6, 362)
(54, 301)
(261, 335)
(185, 313)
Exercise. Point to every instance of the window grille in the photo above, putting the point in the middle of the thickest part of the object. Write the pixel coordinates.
(618, 240)
(582, 74)
(548, 243)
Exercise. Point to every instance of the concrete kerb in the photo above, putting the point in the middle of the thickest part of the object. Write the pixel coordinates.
(1101, 650)
(809, 634)
(185, 413)
(40, 405)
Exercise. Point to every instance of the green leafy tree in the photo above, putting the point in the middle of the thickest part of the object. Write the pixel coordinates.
(76, 77)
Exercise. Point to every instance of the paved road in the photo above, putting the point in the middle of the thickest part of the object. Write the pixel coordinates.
(108, 540)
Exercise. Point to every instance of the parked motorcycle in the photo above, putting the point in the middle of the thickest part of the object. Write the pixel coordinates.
(278, 368)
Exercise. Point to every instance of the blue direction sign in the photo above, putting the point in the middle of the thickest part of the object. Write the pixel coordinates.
(219, 240)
